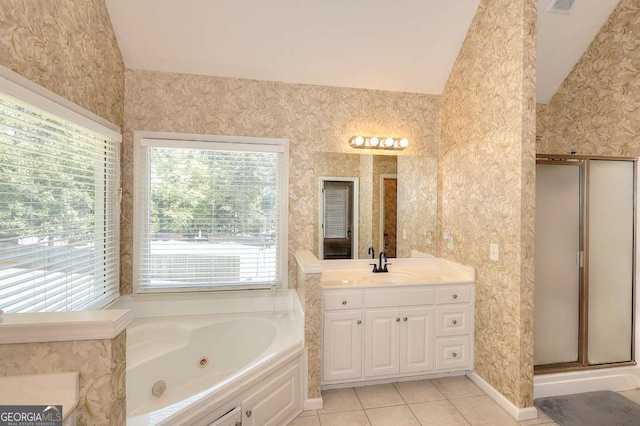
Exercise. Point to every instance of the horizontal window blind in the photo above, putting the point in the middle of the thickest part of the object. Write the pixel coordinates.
(208, 217)
(336, 212)
(59, 212)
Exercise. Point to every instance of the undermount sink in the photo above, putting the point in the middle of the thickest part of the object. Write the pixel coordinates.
(388, 277)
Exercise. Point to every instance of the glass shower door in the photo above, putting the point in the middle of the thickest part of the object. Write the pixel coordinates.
(557, 271)
(610, 260)
(584, 262)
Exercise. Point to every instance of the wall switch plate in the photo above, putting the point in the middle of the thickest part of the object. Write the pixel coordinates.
(493, 252)
(427, 236)
(449, 240)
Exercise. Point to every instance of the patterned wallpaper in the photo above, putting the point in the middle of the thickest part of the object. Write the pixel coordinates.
(68, 47)
(101, 364)
(486, 165)
(595, 110)
(313, 118)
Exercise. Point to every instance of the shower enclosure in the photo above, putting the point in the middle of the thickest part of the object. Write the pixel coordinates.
(584, 262)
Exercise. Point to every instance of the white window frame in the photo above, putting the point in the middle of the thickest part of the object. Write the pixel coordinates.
(201, 141)
(26, 90)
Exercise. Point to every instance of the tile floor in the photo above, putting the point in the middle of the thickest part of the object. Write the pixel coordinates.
(438, 402)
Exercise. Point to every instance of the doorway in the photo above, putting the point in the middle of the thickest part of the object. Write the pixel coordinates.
(338, 218)
(584, 262)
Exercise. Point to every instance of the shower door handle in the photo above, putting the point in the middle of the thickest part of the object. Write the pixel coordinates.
(580, 259)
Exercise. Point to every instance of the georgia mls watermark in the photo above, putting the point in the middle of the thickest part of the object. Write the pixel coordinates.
(30, 415)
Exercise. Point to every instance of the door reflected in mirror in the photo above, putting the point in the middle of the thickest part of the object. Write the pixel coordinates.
(339, 232)
(388, 213)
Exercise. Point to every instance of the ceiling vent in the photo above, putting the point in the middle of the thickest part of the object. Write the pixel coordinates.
(561, 6)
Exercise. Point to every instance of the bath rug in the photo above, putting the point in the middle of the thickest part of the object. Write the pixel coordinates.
(602, 408)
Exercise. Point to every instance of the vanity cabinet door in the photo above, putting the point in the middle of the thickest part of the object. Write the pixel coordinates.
(342, 351)
(416, 340)
(381, 340)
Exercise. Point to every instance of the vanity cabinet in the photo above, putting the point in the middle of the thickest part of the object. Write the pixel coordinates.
(398, 340)
(380, 333)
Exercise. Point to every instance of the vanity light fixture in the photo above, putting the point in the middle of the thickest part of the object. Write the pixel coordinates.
(375, 142)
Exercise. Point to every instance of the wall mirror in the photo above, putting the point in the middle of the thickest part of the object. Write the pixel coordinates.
(382, 201)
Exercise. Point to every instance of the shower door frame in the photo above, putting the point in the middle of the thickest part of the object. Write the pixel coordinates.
(582, 363)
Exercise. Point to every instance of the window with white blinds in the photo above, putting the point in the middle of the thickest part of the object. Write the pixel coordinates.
(59, 212)
(210, 214)
(336, 212)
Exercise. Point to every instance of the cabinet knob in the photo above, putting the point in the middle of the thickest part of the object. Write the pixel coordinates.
(454, 322)
(344, 302)
(248, 413)
(405, 318)
(454, 354)
(455, 296)
(359, 322)
(397, 319)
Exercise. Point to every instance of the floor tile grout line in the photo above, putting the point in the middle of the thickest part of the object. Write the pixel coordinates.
(361, 405)
(460, 412)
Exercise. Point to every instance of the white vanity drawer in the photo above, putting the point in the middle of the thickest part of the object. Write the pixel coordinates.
(453, 294)
(452, 353)
(384, 297)
(452, 320)
(348, 299)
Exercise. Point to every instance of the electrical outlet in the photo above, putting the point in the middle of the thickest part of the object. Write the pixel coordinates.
(427, 236)
(493, 252)
(404, 234)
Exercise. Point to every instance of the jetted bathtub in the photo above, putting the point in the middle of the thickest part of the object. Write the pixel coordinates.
(184, 370)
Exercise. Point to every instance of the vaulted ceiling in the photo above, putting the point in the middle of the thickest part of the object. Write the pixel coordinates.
(401, 45)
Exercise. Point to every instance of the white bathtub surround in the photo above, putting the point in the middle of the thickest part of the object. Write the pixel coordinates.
(211, 362)
(614, 379)
(63, 326)
(43, 389)
(206, 303)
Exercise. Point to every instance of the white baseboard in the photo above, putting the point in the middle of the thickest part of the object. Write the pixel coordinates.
(313, 404)
(520, 414)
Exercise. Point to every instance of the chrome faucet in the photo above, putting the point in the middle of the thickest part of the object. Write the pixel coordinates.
(380, 267)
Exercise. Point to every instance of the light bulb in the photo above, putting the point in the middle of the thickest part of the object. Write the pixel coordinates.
(404, 142)
(388, 142)
(374, 141)
(358, 140)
